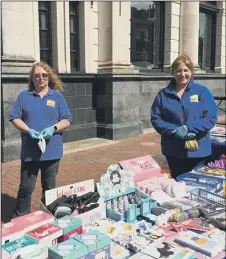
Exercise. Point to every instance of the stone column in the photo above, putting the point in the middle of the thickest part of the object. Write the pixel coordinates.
(220, 57)
(172, 26)
(114, 37)
(20, 36)
(60, 36)
(189, 30)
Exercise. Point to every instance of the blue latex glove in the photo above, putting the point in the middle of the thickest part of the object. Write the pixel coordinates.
(181, 132)
(48, 132)
(33, 134)
(190, 136)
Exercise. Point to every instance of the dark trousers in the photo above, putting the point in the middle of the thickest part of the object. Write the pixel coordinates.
(28, 176)
(180, 166)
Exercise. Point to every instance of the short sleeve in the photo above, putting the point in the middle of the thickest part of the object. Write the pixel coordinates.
(64, 109)
(17, 110)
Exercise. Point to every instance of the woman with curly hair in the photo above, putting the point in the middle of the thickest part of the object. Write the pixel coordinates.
(40, 112)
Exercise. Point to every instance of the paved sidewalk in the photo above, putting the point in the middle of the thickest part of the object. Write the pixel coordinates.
(81, 163)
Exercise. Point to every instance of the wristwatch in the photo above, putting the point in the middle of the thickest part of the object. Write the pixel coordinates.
(55, 127)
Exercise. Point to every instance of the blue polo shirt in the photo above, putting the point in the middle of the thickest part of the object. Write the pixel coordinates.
(39, 113)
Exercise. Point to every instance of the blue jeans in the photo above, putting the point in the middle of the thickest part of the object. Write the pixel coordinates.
(28, 176)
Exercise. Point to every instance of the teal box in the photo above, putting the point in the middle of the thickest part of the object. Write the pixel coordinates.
(70, 249)
(132, 213)
(71, 226)
(22, 242)
(145, 209)
(92, 244)
(94, 240)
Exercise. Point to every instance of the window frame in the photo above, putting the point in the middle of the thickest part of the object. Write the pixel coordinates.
(75, 15)
(49, 29)
(134, 21)
(210, 9)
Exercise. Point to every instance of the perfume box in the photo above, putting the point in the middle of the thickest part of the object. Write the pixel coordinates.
(71, 226)
(92, 244)
(94, 240)
(46, 235)
(142, 167)
(70, 249)
(11, 232)
(33, 220)
(18, 246)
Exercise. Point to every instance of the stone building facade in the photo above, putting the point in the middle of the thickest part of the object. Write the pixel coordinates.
(113, 58)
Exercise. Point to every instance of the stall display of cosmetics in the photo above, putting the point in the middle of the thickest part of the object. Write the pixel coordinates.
(121, 204)
(74, 204)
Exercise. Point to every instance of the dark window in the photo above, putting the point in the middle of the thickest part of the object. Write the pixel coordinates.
(74, 35)
(147, 34)
(45, 33)
(207, 36)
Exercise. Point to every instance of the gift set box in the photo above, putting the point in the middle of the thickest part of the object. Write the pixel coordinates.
(25, 247)
(141, 167)
(80, 188)
(46, 235)
(117, 188)
(11, 232)
(33, 220)
(92, 244)
(71, 226)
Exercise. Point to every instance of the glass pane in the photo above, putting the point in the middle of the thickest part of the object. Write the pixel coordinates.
(143, 10)
(145, 32)
(205, 40)
(74, 61)
(72, 24)
(73, 7)
(43, 5)
(44, 40)
(73, 42)
(43, 18)
(44, 55)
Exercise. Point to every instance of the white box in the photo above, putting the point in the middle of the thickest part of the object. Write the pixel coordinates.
(80, 188)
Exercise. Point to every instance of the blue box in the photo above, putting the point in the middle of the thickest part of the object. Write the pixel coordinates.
(209, 182)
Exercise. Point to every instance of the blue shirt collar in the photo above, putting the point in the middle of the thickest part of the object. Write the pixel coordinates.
(170, 89)
(50, 92)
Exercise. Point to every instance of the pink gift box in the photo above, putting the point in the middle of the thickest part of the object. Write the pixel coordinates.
(11, 232)
(142, 167)
(46, 235)
(33, 220)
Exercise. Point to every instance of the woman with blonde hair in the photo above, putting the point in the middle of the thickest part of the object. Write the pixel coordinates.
(183, 114)
(40, 112)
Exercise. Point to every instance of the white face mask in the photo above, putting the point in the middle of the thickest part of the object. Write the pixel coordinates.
(42, 144)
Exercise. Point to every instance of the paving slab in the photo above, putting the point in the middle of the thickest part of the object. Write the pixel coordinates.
(82, 160)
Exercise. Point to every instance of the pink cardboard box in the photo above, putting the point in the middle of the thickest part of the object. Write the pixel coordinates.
(46, 235)
(142, 167)
(11, 232)
(33, 220)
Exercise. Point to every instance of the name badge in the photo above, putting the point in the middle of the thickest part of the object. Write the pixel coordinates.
(50, 103)
(194, 98)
